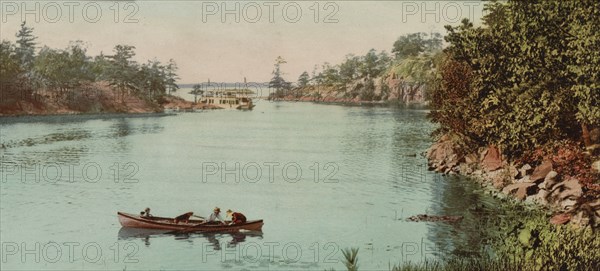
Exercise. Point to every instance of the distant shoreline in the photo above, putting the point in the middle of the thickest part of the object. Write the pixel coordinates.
(96, 99)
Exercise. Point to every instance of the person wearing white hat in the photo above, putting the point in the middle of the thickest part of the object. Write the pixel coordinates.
(215, 215)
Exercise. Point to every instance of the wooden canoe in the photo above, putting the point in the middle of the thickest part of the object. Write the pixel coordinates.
(167, 223)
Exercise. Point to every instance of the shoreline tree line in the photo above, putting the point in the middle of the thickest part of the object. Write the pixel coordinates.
(413, 59)
(26, 72)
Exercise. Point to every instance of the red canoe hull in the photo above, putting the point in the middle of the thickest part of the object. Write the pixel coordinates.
(166, 223)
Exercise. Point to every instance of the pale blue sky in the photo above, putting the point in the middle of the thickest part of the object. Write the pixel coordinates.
(206, 46)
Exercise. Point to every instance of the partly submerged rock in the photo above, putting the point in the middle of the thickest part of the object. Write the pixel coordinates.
(434, 218)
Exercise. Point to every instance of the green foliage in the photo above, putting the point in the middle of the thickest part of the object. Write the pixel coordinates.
(412, 45)
(367, 91)
(63, 69)
(122, 71)
(351, 258)
(529, 76)
(26, 49)
(530, 243)
(415, 62)
(23, 72)
(349, 68)
(373, 64)
(303, 80)
(171, 76)
(153, 78)
(417, 71)
(10, 67)
(540, 244)
(277, 82)
(330, 75)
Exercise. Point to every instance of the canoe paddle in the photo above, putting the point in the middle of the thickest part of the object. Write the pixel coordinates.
(201, 217)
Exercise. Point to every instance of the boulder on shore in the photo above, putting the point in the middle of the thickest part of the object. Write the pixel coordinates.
(541, 171)
(520, 190)
(560, 219)
(492, 159)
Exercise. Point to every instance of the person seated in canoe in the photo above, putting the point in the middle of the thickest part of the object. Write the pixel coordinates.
(184, 217)
(236, 217)
(214, 216)
(146, 212)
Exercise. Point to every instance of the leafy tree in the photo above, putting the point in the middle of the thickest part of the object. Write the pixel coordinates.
(122, 73)
(434, 43)
(416, 43)
(63, 69)
(197, 90)
(151, 79)
(101, 67)
(303, 80)
(373, 64)
(409, 45)
(10, 67)
(316, 78)
(368, 67)
(330, 75)
(349, 68)
(78, 65)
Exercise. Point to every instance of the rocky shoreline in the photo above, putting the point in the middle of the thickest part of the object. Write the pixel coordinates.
(387, 89)
(538, 183)
(330, 100)
(95, 98)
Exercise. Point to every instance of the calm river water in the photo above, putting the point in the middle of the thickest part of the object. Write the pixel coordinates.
(323, 178)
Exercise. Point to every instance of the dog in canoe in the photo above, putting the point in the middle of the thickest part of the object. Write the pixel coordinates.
(184, 217)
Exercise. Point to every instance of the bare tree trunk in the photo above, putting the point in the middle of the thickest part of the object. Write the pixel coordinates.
(586, 135)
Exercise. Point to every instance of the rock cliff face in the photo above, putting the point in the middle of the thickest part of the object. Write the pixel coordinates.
(405, 92)
(539, 183)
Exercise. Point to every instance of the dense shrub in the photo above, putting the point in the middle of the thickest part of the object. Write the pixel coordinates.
(529, 76)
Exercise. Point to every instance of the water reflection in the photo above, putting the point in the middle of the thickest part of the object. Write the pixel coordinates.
(70, 135)
(216, 240)
(121, 128)
(458, 196)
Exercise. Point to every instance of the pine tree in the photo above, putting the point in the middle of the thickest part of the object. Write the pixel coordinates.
(277, 82)
(26, 46)
(171, 76)
(303, 80)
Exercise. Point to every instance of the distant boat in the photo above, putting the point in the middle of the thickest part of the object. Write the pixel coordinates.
(167, 223)
(229, 99)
